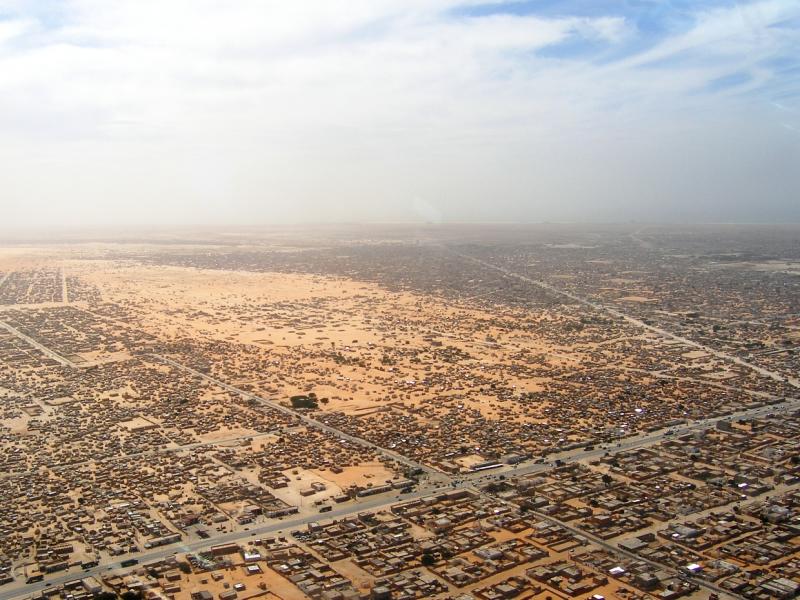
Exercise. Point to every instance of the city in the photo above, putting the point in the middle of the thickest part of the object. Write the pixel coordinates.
(402, 412)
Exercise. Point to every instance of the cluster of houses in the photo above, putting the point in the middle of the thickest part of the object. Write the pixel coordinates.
(32, 286)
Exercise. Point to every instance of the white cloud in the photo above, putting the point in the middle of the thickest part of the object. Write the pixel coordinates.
(115, 106)
(12, 29)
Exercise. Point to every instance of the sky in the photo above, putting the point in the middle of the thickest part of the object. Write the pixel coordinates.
(258, 112)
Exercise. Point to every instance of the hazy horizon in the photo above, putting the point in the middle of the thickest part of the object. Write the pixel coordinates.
(424, 111)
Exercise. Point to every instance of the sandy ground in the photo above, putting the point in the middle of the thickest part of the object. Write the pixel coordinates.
(280, 313)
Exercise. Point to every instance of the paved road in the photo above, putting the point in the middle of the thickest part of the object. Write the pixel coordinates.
(369, 504)
(793, 381)
(384, 501)
(636, 441)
